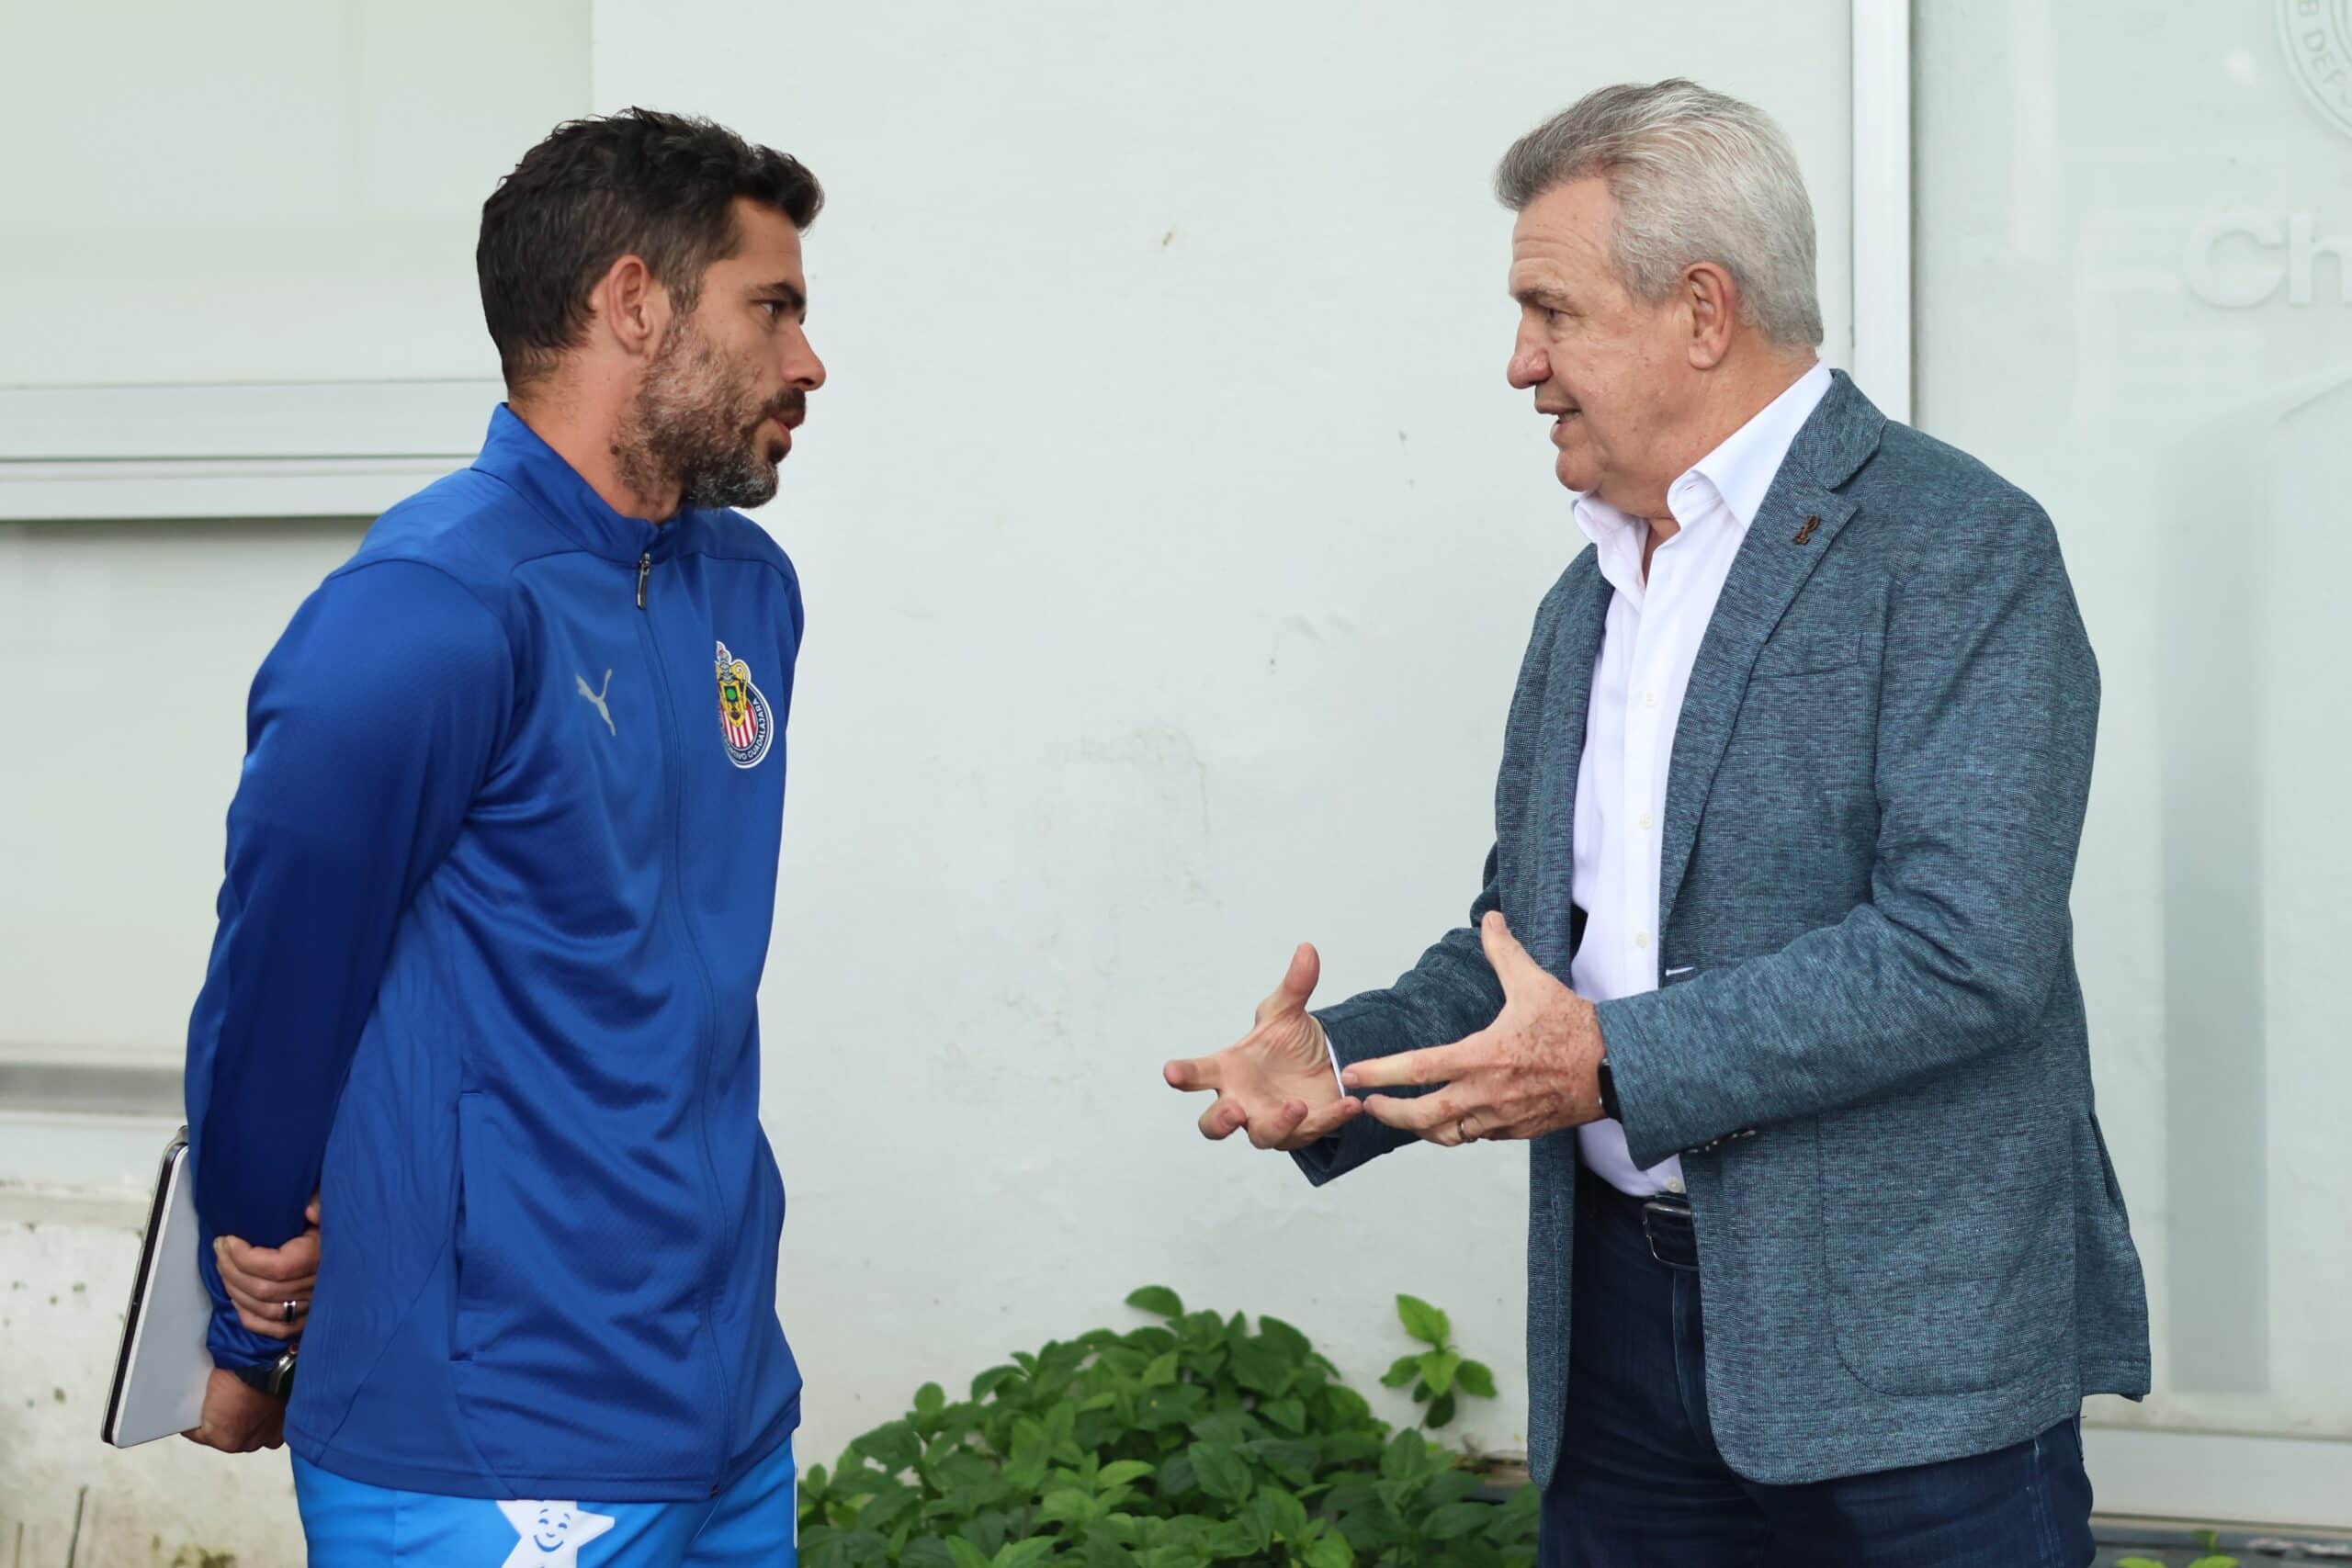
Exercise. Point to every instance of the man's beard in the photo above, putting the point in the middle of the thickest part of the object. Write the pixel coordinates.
(695, 423)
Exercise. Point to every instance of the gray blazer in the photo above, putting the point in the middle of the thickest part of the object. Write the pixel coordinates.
(1872, 809)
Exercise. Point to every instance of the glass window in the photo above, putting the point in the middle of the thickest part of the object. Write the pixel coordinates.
(2134, 227)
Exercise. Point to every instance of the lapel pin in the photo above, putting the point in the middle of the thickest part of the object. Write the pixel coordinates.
(1805, 534)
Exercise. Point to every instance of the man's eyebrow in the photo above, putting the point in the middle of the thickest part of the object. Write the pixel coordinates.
(1539, 294)
(788, 293)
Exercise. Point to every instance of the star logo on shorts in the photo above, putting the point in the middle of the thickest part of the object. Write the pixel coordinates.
(552, 1533)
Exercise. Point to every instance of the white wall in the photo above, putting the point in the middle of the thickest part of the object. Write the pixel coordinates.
(273, 190)
(1170, 538)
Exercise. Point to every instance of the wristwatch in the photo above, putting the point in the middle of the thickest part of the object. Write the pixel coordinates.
(274, 1379)
(1608, 1106)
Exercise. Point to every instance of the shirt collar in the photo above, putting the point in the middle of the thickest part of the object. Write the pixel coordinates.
(513, 453)
(1739, 471)
(1743, 467)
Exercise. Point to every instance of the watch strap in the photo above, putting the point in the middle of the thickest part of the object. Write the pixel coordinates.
(274, 1379)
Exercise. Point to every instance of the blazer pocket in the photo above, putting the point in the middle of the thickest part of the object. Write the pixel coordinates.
(1948, 1262)
(1807, 652)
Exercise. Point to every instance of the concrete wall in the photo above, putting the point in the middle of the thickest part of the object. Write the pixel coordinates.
(1170, 536)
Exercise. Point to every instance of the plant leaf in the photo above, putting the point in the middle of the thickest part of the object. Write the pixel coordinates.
(1260, 1366)
(1331, 1550)
(1477, 1378)
(1121, 1471)
(1402, 1371)
(1222, 1472)
(1455, 1520)
(1159, 1300)
(1437, 1368)
(1423, 1322)
(1285, 1338)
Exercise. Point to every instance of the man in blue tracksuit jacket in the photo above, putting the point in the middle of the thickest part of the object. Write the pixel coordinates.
(501, 872)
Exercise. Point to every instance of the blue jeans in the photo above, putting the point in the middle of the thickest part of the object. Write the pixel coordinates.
(349, 1524)
(1640, 1483)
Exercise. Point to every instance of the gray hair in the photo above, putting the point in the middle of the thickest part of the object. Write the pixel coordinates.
(1698, 177)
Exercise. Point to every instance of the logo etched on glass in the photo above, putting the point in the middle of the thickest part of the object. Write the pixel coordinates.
(2317, 37)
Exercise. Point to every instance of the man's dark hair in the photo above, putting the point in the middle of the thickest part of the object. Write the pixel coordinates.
(659, 187)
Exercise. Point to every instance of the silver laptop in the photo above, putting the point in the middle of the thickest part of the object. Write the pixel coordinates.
(160, 1373)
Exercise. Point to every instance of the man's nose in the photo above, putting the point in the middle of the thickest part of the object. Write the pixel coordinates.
(802, 369)
(1530, 367)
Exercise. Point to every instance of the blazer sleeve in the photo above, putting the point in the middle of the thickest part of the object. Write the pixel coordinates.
(1988, 713)
(1452, 992)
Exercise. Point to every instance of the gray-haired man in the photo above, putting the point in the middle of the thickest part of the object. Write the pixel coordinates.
(1790, 800)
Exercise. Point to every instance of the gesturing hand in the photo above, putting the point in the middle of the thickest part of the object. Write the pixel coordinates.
(261, 1280)
(1533, 1071)
(1275, 1080)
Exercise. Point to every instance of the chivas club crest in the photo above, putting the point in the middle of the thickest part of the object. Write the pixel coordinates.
(744, 720)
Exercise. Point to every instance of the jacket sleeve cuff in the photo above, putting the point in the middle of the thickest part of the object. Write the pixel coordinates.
(1663, 1117)
(1362, 1140)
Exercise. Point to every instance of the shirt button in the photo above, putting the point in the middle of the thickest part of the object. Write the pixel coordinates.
(1641, 939)
(1649, 699)
(1674, 1185)
(1646, 819)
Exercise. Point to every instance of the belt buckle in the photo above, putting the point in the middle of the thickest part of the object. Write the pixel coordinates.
(1676, 1208)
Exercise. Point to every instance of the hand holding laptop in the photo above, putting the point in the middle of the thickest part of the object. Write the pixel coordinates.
(238, 1418)
(164, 1381)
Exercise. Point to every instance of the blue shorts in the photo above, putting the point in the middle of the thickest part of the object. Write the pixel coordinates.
(352, 1525)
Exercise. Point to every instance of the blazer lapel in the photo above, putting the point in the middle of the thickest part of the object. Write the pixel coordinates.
(1801, 516)
(1559, 752)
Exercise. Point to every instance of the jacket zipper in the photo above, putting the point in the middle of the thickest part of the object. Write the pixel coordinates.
(672, 759)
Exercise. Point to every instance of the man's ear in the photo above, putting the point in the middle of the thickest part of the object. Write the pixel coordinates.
(631, 307)
(1712, 300)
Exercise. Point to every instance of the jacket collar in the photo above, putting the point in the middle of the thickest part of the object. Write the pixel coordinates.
(513, 454)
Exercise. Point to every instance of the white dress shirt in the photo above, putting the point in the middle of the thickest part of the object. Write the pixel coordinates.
(1647, 646)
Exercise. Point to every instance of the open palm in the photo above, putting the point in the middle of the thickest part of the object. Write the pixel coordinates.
(1276, 1082)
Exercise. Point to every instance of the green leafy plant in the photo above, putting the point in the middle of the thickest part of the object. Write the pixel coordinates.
(1436, 1372)
(2214, 1558)
(1190, 1441)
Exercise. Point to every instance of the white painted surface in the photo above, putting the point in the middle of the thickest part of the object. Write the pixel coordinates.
(278, 191)
(1170, 539)
(2221, 1478)
(1882, 206)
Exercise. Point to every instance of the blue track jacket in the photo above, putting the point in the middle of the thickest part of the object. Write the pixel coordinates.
(501, 870)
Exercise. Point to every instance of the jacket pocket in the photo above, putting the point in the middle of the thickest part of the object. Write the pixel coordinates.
(1807, 652)
(475, 1264)
(1947, 1239)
